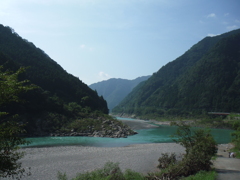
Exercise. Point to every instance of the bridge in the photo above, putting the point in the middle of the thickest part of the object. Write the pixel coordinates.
(219, 113)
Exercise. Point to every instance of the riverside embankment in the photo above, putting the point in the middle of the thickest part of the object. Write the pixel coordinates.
(45, 162)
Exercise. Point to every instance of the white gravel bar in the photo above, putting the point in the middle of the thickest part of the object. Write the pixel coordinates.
(45, 162)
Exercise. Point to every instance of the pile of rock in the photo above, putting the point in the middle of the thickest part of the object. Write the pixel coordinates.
(71, 134)
(108, 129)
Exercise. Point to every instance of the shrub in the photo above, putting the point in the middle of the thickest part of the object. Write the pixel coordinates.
(132, 175)
(166, 160)
(110, 171)
(236, 137)
(203, 175)
(62, 176)
(200, 148)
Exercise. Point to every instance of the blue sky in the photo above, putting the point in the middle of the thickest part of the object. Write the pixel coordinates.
(100, 39)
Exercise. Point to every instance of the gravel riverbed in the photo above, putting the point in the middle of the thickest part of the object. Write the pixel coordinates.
(45, 162)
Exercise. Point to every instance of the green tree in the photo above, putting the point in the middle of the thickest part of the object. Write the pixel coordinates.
(200, 147)
(10, 126)
(236, 137)
(190, 139)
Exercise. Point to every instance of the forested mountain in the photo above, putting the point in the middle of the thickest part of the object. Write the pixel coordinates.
(205, 78)
(114, 90)
(59, 98)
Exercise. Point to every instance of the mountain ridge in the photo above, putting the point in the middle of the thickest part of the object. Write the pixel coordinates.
(61, 104)
(162, 94)
(115, 89)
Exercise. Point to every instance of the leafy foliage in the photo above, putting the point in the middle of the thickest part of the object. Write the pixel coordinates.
(195, 139)
(60, 99)
(236, 137)
(110, 171)
(9, 154)
(214, 122)
(204, 79)
(11, 87)
(45, 72)
(202, 175)
(200, 148)
(166, 160)
(11, 129)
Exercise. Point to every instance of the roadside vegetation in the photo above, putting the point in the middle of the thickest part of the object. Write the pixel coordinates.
(236, 138)
(202, 175)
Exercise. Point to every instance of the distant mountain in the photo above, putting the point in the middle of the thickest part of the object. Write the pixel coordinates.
(60, 98)
(115, 90)
(205, 78)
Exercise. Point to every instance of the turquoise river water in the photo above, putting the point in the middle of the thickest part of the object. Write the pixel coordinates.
(160, 134)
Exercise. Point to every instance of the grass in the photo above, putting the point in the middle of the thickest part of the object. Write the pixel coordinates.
(110, 171)
(202, 175)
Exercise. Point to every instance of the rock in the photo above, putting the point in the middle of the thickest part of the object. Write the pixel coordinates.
(108, 128)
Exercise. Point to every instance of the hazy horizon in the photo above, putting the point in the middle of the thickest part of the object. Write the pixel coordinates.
(97, 40)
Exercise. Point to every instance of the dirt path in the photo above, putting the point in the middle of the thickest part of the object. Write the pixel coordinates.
(227, 168)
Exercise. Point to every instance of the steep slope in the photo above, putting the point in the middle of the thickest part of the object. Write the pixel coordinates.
(61, 98)
(213, 83)
(197, 82)
(115, 90)
(45, 72)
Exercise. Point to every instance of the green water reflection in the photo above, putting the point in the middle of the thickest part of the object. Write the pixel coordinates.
(160, 134)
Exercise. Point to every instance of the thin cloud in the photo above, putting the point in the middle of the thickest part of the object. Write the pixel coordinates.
(237, 21)
(212, 35)
(232, 27)
(226, 14)
(86, 48)
(225, 23)
(82, 46)
(103, 76)
(212, 15)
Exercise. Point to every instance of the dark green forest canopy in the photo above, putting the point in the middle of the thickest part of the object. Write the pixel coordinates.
(60, 97)
(205, 78)
(45, 72)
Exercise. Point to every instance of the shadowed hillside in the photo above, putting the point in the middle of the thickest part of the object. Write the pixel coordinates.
(61, 100)
(115, 90)
(205, 78)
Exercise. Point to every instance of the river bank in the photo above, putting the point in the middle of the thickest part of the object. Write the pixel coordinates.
(201, 123)
(47, 161)
(137, 124)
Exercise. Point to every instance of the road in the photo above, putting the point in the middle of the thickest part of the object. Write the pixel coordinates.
(227, 168)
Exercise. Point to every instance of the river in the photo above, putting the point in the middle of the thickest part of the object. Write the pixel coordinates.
(147, 133)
